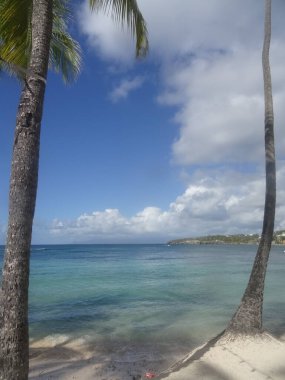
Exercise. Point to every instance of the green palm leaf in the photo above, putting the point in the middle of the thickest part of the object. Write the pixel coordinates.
(15, 32)
(126, 12)
(15, 38)
(65, 53)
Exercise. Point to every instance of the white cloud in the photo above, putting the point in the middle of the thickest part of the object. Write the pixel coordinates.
(221, 107)
(177, 29)
(106, 37)
(221, 202)
(125, 87)
(210, 68)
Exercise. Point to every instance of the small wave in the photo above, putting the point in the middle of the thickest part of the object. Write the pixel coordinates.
(39, 249)
(54, 340)
(51, 340)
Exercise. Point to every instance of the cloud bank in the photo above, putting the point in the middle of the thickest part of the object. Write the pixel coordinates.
(220, 203)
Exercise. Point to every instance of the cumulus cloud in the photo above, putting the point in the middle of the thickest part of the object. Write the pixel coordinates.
(220, 202)
(221, 107)
(210, 68)
(106, 37)
(126, 86)
(177, 29)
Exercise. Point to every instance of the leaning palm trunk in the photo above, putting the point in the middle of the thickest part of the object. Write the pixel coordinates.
(14, 360)
(248, 317)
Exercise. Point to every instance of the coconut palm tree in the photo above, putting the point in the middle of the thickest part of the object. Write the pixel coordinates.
(15, 53)
(14, 341)
(23, 186)
(248, 317)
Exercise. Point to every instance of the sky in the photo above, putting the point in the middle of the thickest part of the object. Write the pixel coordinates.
(170, 146)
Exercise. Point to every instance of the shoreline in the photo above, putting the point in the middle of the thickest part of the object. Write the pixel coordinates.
(76, 359)
(200, 242)
(255, 358)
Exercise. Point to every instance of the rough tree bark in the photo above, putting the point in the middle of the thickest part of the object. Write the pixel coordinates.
(14, 346)
(248, 317)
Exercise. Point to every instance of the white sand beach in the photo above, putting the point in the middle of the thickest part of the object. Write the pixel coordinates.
(245, 358)
(64, 359)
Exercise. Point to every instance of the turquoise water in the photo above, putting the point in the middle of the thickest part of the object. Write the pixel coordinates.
(146, 293)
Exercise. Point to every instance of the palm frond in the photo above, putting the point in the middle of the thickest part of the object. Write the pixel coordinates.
(15, 32)
(65, 52)
(65, 56)
(126, 12)
(15, 39)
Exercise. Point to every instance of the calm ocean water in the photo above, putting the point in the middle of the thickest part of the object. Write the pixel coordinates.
(146, 293)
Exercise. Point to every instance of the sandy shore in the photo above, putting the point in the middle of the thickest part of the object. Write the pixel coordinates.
(64, 359)
(245, 358)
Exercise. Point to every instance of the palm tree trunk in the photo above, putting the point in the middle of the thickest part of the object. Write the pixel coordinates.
(14, 354)
(248, 317)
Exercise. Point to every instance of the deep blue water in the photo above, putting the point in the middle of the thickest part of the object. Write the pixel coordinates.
(138, 293)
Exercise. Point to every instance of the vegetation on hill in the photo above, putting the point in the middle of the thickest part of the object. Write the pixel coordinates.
(278, 238)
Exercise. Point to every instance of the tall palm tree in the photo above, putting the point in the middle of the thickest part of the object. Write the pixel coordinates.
(15, 54)
(23, 187)
(14, 341)
(248, 317)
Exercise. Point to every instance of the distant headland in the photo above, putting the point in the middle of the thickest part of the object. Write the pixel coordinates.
(278, 238)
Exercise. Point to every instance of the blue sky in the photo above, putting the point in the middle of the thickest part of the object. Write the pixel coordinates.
(167, 147)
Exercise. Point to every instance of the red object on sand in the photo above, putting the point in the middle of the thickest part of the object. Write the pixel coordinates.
(149, 375)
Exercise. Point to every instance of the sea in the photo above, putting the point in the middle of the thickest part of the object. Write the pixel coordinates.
(179, 295)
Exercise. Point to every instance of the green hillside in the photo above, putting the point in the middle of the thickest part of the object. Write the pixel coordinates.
(279, 238)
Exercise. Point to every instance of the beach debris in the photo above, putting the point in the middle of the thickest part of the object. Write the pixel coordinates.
(150, 375)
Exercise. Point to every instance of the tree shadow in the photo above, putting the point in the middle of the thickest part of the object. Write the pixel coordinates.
(191, 357)
(280, 372)
(60, 362)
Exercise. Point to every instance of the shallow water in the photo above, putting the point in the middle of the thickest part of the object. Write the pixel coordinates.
(145, 294)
